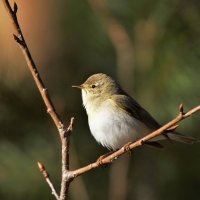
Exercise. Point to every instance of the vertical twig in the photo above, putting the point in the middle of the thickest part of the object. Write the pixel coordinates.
(19, 38)
(68, 176)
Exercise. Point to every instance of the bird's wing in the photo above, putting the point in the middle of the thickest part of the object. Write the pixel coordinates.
(129, 105)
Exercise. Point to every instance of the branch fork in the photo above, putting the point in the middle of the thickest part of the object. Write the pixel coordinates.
(65, 132)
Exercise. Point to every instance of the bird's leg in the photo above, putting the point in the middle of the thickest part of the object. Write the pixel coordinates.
(127, 148)
(99, 160)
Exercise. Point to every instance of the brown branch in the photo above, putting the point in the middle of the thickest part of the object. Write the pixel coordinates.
(130, 146)
(19, 38)
(68, 176)
(70, 127)
(48, 180)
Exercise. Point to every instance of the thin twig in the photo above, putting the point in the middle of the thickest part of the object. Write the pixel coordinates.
(47, 178)
(19, 38)
(71, 125)
(68, 176)
(130, 146)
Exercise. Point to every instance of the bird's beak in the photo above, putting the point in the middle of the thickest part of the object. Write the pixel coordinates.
(78, 86)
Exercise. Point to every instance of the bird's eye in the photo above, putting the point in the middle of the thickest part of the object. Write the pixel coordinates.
(93, 86)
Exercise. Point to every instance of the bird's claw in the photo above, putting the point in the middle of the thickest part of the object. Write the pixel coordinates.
(127, 147)
(99, 160)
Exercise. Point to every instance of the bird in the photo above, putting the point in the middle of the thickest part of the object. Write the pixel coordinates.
(115, 118)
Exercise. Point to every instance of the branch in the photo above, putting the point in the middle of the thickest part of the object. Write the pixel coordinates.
(129, 146)
(70, 127)
(68, 176)
(47, 178)
(19, 38)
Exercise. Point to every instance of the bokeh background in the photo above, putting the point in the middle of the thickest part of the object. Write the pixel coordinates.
(151, 47)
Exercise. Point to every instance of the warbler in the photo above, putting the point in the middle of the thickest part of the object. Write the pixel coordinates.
(115, 118)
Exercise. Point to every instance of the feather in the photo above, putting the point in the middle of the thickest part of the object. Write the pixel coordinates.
(129, 105)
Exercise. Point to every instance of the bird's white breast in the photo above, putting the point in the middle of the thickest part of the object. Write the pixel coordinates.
(113, 127)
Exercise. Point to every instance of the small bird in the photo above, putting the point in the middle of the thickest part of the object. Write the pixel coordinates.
(115, 118)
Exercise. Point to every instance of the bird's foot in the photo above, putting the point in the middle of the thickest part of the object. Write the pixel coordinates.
(127, 148)
(100, 159)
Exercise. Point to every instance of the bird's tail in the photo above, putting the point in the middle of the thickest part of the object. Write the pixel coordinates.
(181, 138)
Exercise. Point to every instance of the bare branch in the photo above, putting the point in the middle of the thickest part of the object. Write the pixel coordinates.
(181, 109)
(19, 38)
(173, 128)
(47, 178)
(15, 8)
(67, 175)
(131, 146)
(71, 125)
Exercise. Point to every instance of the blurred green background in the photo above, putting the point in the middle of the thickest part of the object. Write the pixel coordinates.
(152, 47)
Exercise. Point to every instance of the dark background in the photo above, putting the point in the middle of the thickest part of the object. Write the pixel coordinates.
(151, 47)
